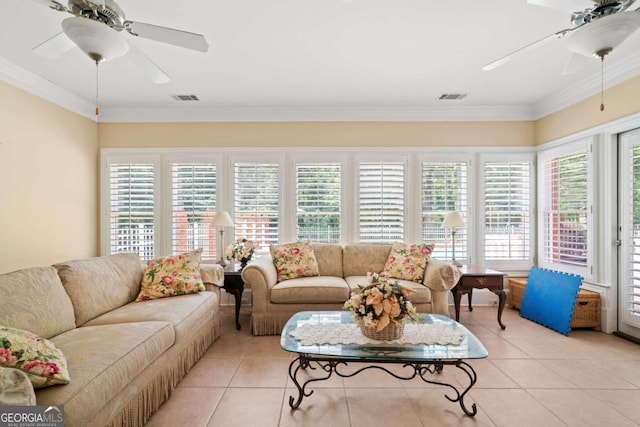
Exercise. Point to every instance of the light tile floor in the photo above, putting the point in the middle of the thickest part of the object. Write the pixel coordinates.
(533, 377)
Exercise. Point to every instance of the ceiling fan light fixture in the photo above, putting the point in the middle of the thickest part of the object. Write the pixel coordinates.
(97, 40)
(604, 34)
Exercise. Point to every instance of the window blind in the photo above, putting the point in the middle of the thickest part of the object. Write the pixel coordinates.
(381, 201)
(507, 216)
(132, 203)
(318, 195)
(257, 187)
(632, 202)
(444, 189)
(193, 205)
(565, 209)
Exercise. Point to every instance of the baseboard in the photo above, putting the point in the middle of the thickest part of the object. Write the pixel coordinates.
(627, 337)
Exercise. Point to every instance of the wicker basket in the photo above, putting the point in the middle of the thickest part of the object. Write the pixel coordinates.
(389, 333)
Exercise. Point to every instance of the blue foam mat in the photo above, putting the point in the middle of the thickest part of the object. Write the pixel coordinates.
(550, 298)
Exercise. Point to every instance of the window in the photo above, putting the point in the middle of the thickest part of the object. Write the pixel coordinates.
(444, 189)
(257, 201)
(318, 198)
(507, 211)
(381, 201)
(131, 209)
(565, 208)
(193, 205)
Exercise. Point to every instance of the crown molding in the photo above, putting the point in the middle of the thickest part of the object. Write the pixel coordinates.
(614, 73)
(316, 114)
(36, 85)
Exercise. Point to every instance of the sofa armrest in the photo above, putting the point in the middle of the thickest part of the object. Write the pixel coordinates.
(260, 275)
(440, 275)
(212, 274)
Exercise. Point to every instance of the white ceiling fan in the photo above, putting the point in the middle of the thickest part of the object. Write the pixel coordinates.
(96, 28)
(595, 30)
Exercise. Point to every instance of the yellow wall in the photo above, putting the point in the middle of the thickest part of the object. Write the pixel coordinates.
(316, 134)
(48, 182)
(620, 101)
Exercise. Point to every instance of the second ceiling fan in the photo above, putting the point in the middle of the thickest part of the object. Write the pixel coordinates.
(595, 30)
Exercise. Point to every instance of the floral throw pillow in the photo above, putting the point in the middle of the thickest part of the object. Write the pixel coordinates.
(293, 260)
(408, 262)
(38, 357)
(171, 276)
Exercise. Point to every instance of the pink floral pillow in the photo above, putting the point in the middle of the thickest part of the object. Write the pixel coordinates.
(38, 357)
(171, 276)
(408, 262)
(293, 260)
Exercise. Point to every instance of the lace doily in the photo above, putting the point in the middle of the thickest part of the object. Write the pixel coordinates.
(339, 333)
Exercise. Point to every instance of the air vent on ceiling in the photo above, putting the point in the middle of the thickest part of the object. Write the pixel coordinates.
(452, 96)
(185, 97)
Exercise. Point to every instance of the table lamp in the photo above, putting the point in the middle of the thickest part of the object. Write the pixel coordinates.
(453, 220)
(222, 220)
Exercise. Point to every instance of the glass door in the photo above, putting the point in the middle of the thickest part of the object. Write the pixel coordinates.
(629, 234)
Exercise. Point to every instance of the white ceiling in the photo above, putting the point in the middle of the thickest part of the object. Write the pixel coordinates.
(300, 59)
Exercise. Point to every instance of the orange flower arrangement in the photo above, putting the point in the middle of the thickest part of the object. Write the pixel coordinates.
(381, 302)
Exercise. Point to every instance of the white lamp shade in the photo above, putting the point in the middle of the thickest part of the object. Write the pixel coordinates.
(94, 38)
(607, 32)
(222, 219)
(453, 220)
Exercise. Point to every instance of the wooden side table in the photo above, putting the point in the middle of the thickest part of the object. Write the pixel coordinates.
(233, 284)
(482, 278)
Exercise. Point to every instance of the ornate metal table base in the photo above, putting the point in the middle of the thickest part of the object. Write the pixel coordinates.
(329, 365)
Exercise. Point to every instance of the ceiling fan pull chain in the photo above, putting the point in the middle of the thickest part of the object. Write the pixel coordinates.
(602, 83)
(97, 105)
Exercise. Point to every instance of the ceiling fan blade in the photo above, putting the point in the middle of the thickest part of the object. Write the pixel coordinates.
(503, 60)
(575, 63)
(55, 47)
(147, 66)
(168, 35)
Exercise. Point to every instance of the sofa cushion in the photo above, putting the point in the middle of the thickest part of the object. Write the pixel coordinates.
(103, 360)
(172, 276)
(408, 262)
(329, 259)
(37, 357)
(421, 294)
(185, 313)
(358, 259)
(99, 285)
(320, 289)
(50, 314)
(293, 260)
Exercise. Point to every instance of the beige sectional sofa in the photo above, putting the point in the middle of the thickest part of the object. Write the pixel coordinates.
(342, 268)
(124, 357)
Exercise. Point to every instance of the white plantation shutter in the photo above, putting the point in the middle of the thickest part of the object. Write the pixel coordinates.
(630, 232)
(257, 196)
(444, 189)
(131, 209)
(565, 209)
(381, 201)
(318, 195)
(193, 205)
(507, 216)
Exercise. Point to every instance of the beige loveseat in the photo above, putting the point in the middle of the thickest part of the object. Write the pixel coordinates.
(342, 268)
(124, 357)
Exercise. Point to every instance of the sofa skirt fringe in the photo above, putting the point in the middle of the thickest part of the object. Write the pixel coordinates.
(139, 408)
(269, 324)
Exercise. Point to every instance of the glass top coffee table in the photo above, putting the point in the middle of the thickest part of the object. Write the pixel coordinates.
(419, 360)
